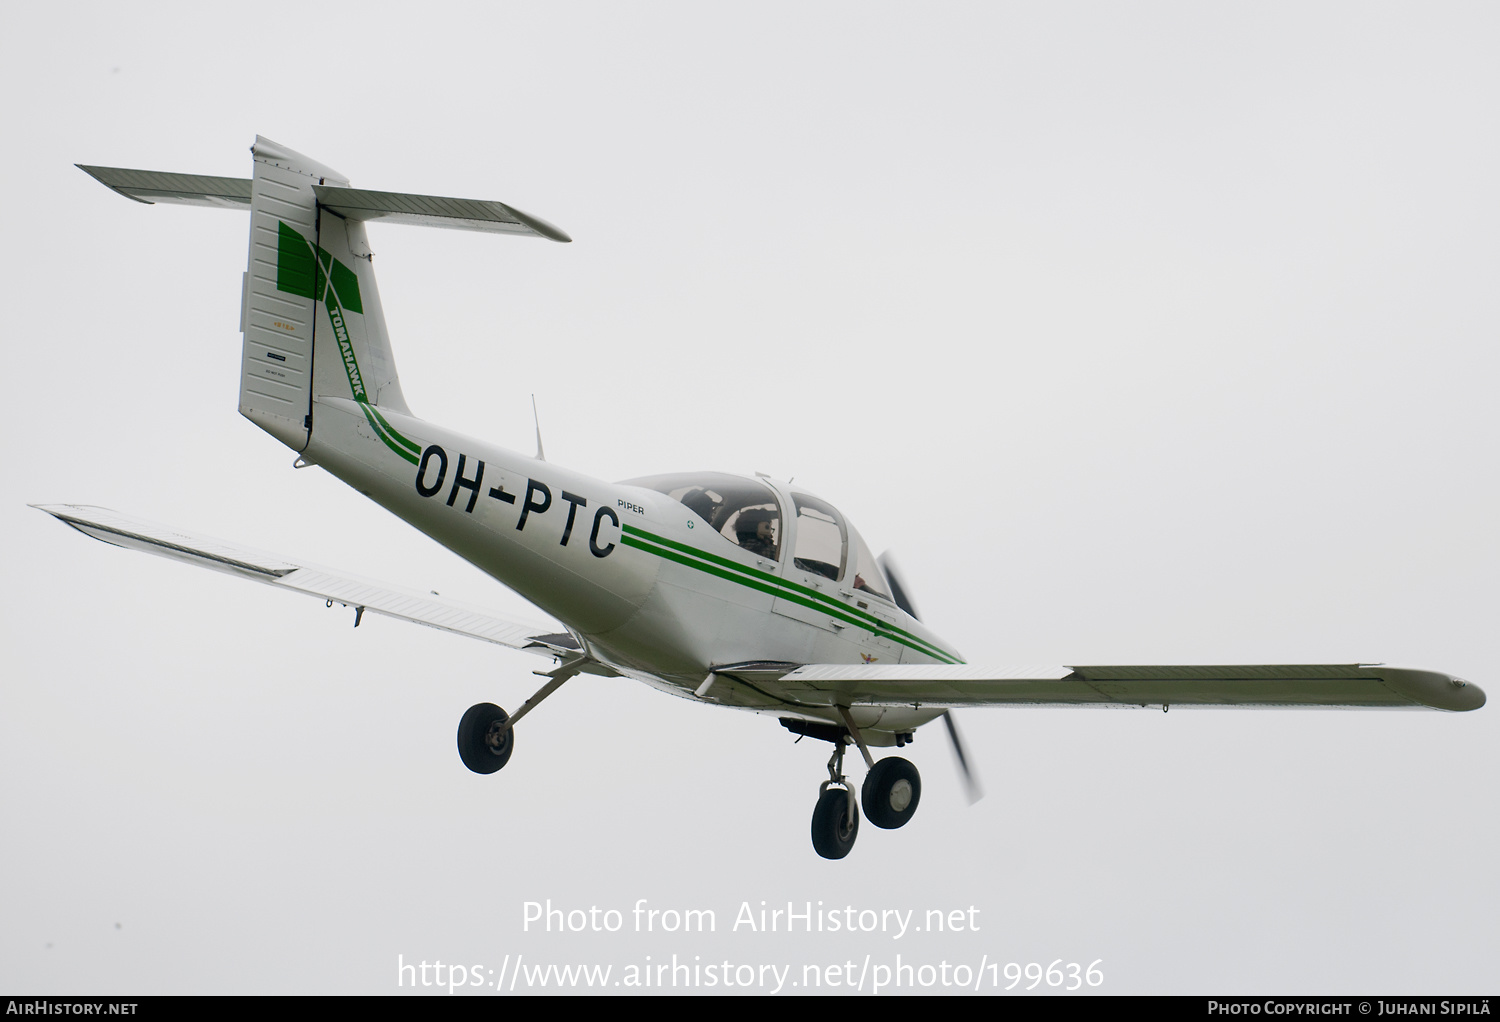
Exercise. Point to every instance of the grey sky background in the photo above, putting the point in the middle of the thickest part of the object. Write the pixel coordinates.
(1143, 333)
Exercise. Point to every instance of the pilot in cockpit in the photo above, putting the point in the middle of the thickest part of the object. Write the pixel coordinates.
(756, 531)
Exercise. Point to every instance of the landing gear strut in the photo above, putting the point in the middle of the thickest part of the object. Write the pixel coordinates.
(890, 793)
(486, 734)
(835, 820)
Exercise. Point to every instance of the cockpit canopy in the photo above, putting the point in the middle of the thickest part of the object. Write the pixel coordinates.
(743, 511)
(747, 513)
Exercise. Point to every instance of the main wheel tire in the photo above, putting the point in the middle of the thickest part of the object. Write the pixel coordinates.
(484, 744)
(891, 792)
(833, 829)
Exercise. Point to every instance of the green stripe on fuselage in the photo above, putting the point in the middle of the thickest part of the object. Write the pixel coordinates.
(753, 578)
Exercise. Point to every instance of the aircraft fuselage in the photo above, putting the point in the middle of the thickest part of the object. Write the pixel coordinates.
(648, 584)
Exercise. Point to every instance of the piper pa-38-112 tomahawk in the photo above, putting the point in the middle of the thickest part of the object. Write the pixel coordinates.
(743, 592)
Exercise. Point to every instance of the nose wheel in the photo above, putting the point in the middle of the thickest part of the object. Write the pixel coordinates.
(891, 791)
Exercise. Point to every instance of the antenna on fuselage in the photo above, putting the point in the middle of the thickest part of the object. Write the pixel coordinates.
(536, 417)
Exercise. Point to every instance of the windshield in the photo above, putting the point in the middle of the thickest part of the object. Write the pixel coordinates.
(743, 511)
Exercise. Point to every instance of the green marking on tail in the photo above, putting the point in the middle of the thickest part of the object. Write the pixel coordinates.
(295, 266)
(347, 285)
(300, 269)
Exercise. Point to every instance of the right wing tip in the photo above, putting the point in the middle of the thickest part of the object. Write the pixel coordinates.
(1437, 689)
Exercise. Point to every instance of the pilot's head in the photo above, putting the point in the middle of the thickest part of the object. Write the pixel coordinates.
(756, 524)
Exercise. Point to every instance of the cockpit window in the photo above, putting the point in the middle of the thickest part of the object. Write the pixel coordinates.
(821, 539)
(868, 578)
(743, 511)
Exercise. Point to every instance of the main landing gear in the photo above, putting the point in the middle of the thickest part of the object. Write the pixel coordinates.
(485, 738)
(891, 792)
(835, 823)
(486, 734)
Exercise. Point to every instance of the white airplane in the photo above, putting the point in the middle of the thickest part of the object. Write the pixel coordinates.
(744, 592)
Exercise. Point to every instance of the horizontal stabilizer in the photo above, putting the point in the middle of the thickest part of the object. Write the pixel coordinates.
(338, 587)
(151, 186)
(434, 211)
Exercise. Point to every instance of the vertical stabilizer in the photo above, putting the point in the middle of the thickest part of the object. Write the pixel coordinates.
(313, 323)
(309, 309)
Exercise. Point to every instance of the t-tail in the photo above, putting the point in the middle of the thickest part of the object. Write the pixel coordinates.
(310, 310)
(317, 373)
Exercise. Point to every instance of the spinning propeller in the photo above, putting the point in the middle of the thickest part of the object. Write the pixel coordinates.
(901, 593)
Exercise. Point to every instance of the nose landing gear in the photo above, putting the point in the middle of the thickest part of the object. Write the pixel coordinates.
(891, 792)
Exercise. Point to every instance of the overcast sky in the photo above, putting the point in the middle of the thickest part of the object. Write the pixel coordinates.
(1143, 333)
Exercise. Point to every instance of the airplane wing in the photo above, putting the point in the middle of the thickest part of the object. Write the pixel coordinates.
(335, 586)
(954, 685)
